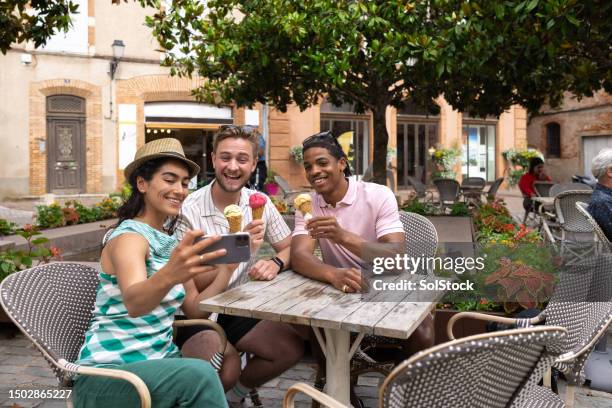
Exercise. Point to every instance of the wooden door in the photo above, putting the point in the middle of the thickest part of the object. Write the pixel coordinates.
(66, 148)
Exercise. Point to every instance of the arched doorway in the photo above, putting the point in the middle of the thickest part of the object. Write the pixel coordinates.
(66, 144)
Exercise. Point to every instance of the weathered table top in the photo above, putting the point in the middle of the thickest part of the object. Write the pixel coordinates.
(293, 298)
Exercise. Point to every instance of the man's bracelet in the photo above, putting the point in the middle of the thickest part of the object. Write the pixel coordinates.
(279, 262)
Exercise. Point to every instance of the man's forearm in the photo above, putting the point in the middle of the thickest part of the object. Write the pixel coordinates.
(284, 255)
(353, 243)
(312, 267)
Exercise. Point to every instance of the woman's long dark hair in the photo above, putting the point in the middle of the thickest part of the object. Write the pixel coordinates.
(535, 162)
(135, 203)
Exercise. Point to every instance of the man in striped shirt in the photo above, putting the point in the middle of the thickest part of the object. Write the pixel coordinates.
(275, 346)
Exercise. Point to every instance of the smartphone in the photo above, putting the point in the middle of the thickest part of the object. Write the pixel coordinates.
(238, 248)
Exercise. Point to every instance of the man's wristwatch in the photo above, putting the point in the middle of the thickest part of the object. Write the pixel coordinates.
(279, 262)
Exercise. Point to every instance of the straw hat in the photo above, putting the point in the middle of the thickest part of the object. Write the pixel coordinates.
(167, 147)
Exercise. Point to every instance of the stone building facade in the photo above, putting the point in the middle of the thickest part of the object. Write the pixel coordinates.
(69, 127)
(573, 134)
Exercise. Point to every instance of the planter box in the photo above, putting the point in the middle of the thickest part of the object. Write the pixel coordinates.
(462, 328)
(453, 229)
(72, 240)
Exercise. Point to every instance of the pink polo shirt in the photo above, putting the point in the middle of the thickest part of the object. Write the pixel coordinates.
(368, 210)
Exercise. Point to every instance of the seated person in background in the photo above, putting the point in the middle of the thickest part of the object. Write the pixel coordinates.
(146, 276)
(601, 201)
(535, 173)
(346, 214)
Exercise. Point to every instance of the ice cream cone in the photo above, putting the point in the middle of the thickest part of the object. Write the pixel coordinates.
(235, 224)
(233, 215)
(257, 213)
(306, 208)
(303, 203)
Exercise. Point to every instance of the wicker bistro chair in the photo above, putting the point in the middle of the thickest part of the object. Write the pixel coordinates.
(582, 304)
(492, 370)
(420, 188)
(559, 188)
(448, 190)
(574, 231)
(472, 188)
(542, 188)
(491, 193)
(474, 181)
(421, 239)
(52, 305)
(599, 234)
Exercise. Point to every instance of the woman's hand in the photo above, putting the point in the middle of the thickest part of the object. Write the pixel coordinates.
(185, 263)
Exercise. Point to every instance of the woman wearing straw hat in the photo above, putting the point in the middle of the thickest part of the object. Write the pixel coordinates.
(146, 276)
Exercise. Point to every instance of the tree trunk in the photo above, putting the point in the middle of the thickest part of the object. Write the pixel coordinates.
(381, 138)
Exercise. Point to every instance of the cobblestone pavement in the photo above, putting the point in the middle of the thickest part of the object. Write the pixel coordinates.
(22, 367)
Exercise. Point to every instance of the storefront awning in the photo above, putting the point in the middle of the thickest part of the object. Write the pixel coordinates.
(186, 112)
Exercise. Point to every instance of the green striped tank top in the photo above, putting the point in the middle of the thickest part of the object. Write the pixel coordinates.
(115, 338)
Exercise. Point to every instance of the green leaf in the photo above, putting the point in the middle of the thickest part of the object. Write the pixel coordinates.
(531, 5)
(40, 241)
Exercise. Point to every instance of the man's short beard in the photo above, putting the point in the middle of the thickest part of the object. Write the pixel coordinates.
(224, 187)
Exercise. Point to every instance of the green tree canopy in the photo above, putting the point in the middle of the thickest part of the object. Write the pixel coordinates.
(35, 20)
(482, 56)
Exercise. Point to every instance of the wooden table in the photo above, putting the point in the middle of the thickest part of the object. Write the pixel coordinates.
(293, 298)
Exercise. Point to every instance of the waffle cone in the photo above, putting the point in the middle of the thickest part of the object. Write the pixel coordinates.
(257, 213)
(235, 224)
(306, 208)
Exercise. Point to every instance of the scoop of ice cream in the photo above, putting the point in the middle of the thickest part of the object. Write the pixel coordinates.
(232, 211)
(301, 199)
(257, 200)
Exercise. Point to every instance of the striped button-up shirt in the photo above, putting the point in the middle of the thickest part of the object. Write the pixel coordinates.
(199, 212)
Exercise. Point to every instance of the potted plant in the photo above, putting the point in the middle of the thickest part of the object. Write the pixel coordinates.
(445, 161)
(270, 186)
(518, 162)
(297, 154)
(518, 272)
(16, 260)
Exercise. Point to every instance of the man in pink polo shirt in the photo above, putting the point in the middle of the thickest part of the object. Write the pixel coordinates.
(346, 214)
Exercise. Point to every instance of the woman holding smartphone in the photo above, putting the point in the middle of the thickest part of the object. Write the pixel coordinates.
(146, 276)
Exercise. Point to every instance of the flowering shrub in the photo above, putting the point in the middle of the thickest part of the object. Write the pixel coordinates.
(521, 157)
(74, 212)
(50, 216)
(445, 161)
(17, 260)
(518, 266)
(519, 161)
(280, 204)
(418, 207)
(7, 227)
(492, 218)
